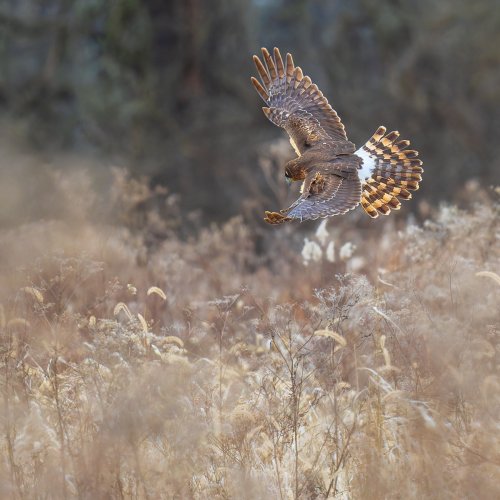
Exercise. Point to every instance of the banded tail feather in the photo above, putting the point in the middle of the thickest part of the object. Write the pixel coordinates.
(388, 173)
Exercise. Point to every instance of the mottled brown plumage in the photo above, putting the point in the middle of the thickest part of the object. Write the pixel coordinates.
(336, 178)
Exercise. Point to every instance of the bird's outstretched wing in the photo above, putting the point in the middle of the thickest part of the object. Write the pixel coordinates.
(296, 104)
(323, 195)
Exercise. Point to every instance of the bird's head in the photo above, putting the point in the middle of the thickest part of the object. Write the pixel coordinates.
(295, 170)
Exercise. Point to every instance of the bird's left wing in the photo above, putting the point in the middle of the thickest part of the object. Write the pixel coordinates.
(323, 195)
(295, 103)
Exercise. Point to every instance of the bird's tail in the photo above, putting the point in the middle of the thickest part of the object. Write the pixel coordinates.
(389, 172)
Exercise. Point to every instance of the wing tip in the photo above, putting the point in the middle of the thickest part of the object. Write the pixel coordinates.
(259, 88)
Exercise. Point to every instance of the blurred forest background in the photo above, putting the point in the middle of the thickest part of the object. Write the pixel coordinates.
(162, 88)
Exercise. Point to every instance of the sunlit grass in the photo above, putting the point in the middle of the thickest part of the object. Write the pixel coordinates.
(201, 368)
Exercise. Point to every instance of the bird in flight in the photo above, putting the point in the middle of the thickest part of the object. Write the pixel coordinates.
(336, 177)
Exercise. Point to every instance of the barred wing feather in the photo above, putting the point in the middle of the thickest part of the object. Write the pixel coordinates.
(295, 103)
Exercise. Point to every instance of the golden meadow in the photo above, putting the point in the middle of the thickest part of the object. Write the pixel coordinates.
(345, 361)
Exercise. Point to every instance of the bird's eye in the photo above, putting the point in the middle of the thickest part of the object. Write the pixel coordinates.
(287, 174)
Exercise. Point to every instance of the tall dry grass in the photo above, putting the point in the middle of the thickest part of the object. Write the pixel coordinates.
(354, 364)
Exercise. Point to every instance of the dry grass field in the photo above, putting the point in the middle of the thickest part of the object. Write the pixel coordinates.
(139, 362)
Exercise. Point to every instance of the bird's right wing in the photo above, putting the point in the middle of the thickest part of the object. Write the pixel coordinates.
(296, 104)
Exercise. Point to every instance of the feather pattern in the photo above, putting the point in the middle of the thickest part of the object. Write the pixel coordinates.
(336, 178)
(295, 103)
(324, 194)
(389, 171)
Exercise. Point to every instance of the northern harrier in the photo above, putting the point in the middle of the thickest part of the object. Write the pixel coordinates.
(336, 177)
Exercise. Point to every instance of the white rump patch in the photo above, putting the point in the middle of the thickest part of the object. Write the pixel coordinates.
(368, 165)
